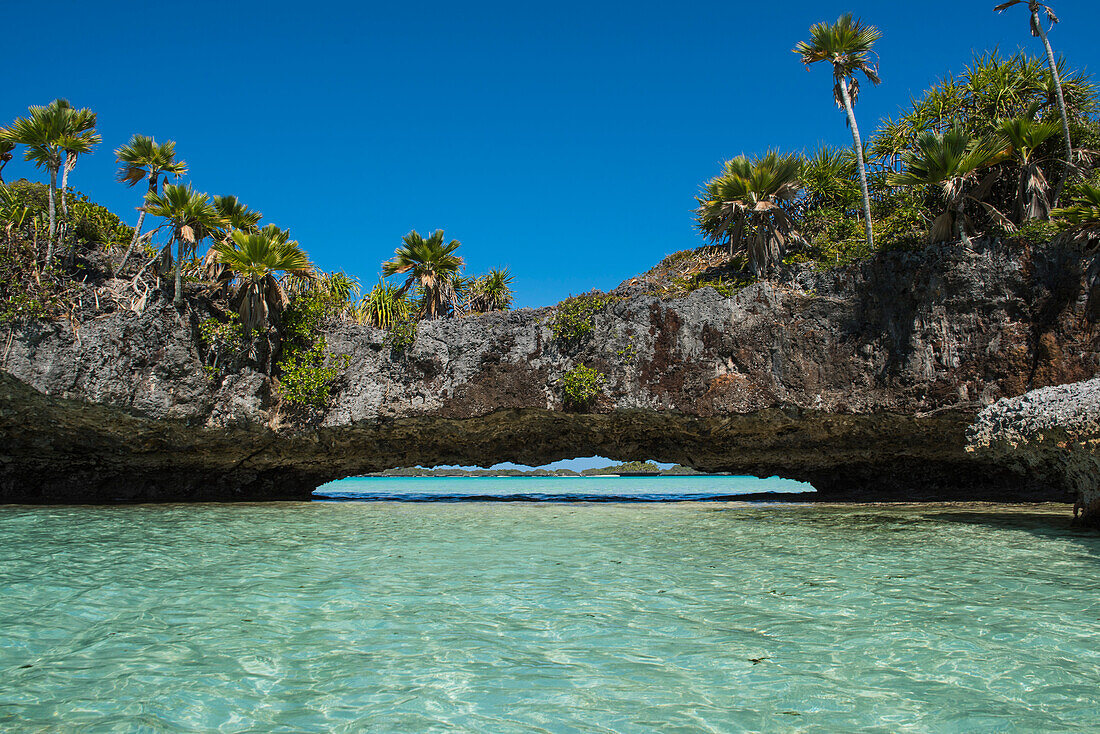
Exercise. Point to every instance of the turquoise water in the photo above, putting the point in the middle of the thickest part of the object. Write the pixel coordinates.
(524, 617)
(556, 489)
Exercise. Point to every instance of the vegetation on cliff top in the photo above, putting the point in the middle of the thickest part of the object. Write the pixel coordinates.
(266, 304)
(987, 151)
(993, 150)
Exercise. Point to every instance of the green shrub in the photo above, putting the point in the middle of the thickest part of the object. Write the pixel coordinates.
(833, 234)
(312, 308)
(581, 385)
(403, 334)
(797, 258)
(630, 351)
(306, 374)
(95, 224)
(24, 201)
(572, 319)
(901, 218)
(1036, 233)
(27, 292)
(306, 369)
(225, 343)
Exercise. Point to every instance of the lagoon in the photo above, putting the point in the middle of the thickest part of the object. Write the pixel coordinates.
(547, 617)
(602, 488)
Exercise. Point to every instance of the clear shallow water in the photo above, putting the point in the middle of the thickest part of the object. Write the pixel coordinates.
(521, 617)
(555, 489)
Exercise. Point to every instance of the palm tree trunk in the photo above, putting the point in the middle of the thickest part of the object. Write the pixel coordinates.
(1061, 106)
(960, 226)
(137, 227)
(859, 159)
(133, 240)
(64, 183)
(53, 215)
(177, 299)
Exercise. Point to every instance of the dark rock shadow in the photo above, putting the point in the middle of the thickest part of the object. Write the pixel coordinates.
(1044, 524)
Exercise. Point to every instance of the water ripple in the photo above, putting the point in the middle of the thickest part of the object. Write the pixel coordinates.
(517, 617)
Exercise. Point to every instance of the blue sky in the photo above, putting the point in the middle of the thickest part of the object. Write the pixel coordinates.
(565, 140)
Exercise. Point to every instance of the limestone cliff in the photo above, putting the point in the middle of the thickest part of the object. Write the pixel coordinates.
(862, 380)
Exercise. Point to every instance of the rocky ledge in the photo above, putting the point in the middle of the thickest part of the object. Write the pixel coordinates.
(862, 380)
(1051, 432)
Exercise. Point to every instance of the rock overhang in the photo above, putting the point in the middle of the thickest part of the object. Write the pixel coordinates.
(862, 380)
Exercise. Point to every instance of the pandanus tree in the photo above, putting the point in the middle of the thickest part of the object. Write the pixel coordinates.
(430, 264)
(829, 178)
(191, 217)
(384, 306)
(1037, 8)
(846, 45)
(143, 159)
(991, 88)
(256, 259)
(1023, 136)
(744, 206)
(338, 292)
(952, 161)
(41, 133)
(490, 292)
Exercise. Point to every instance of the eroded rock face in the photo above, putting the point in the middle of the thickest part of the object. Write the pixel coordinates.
(861, 380)
(1051, 432)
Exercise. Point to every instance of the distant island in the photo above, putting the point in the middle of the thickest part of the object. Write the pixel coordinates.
(629, 469)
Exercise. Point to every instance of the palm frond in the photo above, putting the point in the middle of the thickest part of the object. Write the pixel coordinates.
(744, 206)
(255, 259)
(847, 45)
(143, 157)
(431, 265)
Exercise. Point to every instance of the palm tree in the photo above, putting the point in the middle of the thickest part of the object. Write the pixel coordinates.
(74, 146)
(1034, 6)
(1023, 135)
(951, 160)
(846, 45)
(235, 216)
(430, 264)
(744, 206)
(491, 292)
(192, 218)
(255, 259)
(142, 159)
(41, 132)
(6, 148)
(79, 137)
